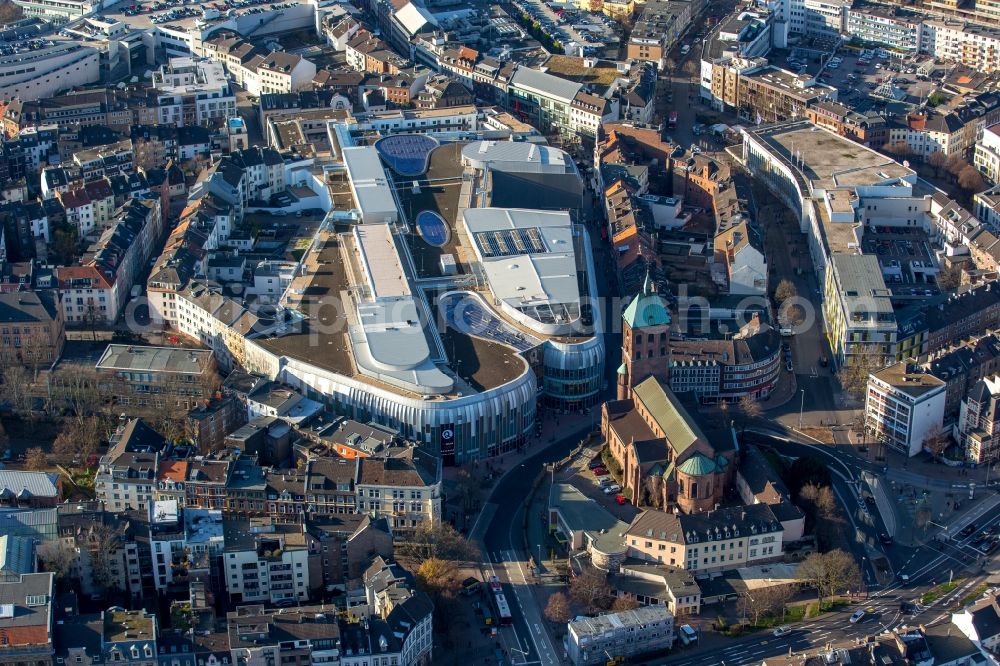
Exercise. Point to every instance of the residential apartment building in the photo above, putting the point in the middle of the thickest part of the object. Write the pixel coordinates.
(626, 634)
(27, 622)
(97, 288)
(942, 321)
(404, 486)
(903, 406)
(126, 474)
(130, 637)
(986, 157)
(740, 249)
(887, 25)
(292, 636)
(972, 45)
(266, 562)
(278, 72)
(746, 364)
(89, 107)
(31, 328)
(718, 540)
(960, 368)
(978, 430)
(191, 91)
(207, 479)
(857, 309)
(347, 543)
(657, 29)
(160, 377)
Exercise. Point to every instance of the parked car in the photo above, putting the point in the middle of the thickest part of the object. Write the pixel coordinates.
(599, 471)
(857, 616)
(621, 500)
(595, 463)
(885, 539)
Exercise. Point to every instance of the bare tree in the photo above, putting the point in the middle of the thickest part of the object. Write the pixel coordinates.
(102, 543)
(653, 490)
(440, 541)
(625, 603)
(954, 164)
(949, 277)
(937, 160)
(16, 387)
(80, 438)
(754, 603)
(77, 390)
(35, 459)
(57, 557)
(591, 590)
(557, 608)
(970, 179)
(830, 573)
(936, 441)
(750, 410)
(785, 290)
(853, 375)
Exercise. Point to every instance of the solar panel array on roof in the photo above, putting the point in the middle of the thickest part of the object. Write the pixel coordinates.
(508, 242)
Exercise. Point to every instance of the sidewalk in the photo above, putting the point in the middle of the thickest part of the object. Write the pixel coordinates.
(924, 495)
(485, 473)
(550, 557)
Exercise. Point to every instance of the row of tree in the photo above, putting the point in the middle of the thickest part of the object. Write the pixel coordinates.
(828, 573)
(961, 172)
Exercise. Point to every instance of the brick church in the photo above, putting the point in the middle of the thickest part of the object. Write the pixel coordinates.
(666, 459)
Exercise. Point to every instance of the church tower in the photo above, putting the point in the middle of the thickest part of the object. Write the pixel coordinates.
(645, 340)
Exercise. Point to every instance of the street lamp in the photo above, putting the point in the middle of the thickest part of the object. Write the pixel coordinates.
(802, 404)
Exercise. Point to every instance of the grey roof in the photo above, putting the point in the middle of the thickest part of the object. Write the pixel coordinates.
(684, 528)
(860, 279)
(579, 512)
(519, 157)
(986, 619)
(947, 645)
(27, 307)
(16, 593)
(80, 631)
(155, 359)
(17, 554)
(545, 84)
(32, 484)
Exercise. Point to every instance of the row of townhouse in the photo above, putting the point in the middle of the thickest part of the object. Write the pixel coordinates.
(258, 71)
(97, 287)
(401, 484)
(395, 627)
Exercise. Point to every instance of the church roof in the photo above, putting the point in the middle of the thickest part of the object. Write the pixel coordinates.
(698, 465)
(646, 309)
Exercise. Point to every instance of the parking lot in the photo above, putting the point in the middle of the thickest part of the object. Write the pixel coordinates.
(871, 81)
(590, 484)
(906, 259)
(592, 31)
(184, 13)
